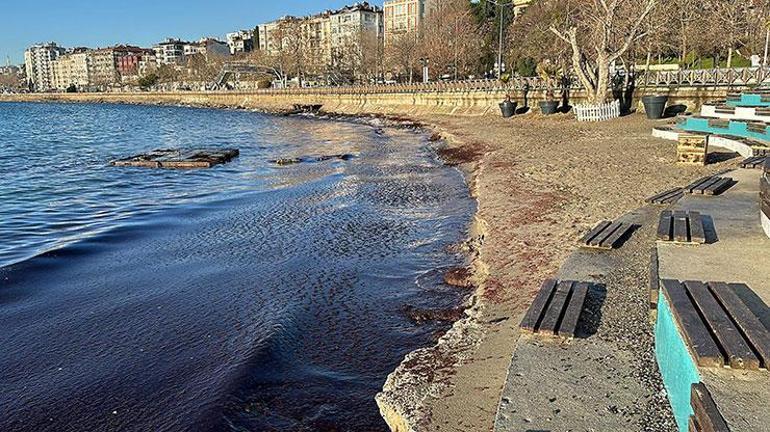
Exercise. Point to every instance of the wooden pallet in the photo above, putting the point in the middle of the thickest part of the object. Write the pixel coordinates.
(706, 417)
(754, 162)
(718, 328)
(556, 310)
(179, 159)
(607, 235)
(670, 196)
(711, 185)
(681, 227)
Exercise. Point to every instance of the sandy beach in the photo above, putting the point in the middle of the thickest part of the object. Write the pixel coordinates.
(540, 184)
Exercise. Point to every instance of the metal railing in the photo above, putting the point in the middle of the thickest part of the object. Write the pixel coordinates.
(735, 77)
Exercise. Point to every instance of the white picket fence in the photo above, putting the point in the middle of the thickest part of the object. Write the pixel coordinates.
(595, 113)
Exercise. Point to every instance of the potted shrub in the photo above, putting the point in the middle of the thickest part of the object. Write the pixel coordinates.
(508, 107)
(548, 71)
(654, 106)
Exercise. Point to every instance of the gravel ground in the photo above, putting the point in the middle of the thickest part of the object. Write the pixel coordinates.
(541, 183)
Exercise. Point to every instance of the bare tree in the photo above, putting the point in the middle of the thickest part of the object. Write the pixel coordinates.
(403, 54)
(598, 33)
(450, 39)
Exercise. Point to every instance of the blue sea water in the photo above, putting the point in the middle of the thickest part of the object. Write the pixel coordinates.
(245, 297)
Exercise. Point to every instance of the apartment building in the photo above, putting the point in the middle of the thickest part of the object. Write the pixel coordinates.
(103, 63)
(242, 41)
(37, 62)
(170, 52)
(71, 69)
(349, 23)
(208, 47)
(404, 16)
(136, 64)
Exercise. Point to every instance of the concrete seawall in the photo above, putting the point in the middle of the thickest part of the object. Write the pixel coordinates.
(406, 103)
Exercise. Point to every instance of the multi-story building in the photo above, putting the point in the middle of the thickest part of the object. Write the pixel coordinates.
(275, 35)
(136, 64)
(207, 47)
(71, 69)
(404, 16)
(37, 63)
(170, 51)
(351, 22)
(242, 41)
(103, 63)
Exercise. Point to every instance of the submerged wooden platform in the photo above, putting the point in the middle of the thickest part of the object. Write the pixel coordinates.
(556, 310)
(179, 159)
(719, 329)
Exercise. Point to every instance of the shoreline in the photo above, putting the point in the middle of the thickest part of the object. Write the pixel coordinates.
(451, 154)
(538, 182)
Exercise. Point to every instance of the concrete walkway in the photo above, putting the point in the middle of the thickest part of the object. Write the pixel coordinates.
(606, 379)
(739, 252)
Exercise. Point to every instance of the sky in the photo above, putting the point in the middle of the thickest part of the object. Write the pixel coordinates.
(95, 23)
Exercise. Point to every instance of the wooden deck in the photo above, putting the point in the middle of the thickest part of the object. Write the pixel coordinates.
(179, 159)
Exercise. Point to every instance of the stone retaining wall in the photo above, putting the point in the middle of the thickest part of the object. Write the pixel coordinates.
(444, 102)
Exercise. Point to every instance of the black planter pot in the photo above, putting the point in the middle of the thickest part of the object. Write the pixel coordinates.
(548, 107)
(654, 106)
(508, 108)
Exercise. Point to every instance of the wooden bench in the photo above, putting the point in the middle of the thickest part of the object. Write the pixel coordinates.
(718, 328)
(706, 416)
(710, 185)
(754, 162)
(179, 159)
(669, 196)
(607, 235)
(681, 227)
(556, 310)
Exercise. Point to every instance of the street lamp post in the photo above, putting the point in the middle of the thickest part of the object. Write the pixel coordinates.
(501, 7)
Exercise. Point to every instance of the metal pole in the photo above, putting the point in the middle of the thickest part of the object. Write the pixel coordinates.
(500, 46)
(767, 45)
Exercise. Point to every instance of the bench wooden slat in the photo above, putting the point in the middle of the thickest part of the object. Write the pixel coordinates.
(696, 183)
(665, 225)
(697, 336)
(751, 327)
(719, 187)
(595, 231)
(536, 311)
(614, 239)
(666, 197)
(705, 185)
(739, 354)
(571, 318)
(680, 227)
(604, 235)
(654, 279)
(552, 316)
(697, 230)
(707, 415)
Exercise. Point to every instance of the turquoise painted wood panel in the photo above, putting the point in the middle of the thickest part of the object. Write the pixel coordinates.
(736, 127)
(676, 364)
